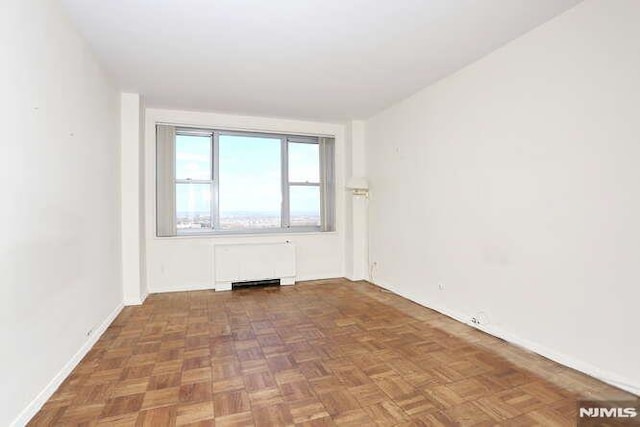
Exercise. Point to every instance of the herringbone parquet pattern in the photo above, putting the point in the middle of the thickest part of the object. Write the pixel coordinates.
(319, 353)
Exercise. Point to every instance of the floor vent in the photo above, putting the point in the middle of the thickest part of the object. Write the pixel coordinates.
(253, 283)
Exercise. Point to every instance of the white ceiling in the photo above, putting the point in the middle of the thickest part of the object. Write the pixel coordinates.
(318, 59)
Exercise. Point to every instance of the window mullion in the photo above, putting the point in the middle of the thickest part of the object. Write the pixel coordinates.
(323, 186)
(285, 213)
(215, 187)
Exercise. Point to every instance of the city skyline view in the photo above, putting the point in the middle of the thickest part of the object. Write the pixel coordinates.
(250, 184)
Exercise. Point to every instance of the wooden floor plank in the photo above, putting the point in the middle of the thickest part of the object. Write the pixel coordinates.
(321, 353)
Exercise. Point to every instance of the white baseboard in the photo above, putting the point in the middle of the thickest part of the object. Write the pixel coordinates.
(53, 385)
(211, 287)
(223, 286)
(140, 301)
(310, 277)
(288, 281)
(183, 288)
(563, 359)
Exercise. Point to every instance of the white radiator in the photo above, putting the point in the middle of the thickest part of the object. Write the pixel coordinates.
(253, 261)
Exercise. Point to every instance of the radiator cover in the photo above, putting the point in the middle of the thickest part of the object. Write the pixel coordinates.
(248, 262)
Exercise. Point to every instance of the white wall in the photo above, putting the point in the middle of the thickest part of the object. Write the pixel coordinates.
(356, 246)
(59, 245)
(144, 289)
(132, 203)
(514, 183)
(182, 263)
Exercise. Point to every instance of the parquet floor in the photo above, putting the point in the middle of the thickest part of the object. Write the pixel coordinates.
(319, 353)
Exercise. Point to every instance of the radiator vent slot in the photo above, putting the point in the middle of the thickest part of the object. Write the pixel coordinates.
(257, 283)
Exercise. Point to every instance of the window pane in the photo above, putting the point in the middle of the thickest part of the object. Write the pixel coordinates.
(304, 162)
(193, 206)
(304, 202)
(250, 182)
(193, 157)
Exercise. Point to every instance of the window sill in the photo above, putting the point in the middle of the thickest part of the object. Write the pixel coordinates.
(240, 235)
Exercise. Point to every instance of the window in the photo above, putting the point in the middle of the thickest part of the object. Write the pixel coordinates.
(214, 181)
(193, 180)
(250, 182)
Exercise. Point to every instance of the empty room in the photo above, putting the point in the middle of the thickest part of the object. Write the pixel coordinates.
(320, 212)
